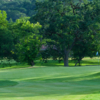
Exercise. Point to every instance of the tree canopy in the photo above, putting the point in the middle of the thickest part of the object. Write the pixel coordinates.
(19, 40)
(68, 23)
(6, 39)
(19, 8)
(27, 40)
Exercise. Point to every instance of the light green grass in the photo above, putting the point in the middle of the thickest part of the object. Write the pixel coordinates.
(50, 83)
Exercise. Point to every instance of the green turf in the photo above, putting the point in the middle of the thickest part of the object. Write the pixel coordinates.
(50, 83)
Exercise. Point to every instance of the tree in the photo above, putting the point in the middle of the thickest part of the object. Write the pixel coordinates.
(90, 44)
(62, 22)
(6, 38)
(28, 41)
(80, 50)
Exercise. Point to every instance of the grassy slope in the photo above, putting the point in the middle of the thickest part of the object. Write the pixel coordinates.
(50, 83)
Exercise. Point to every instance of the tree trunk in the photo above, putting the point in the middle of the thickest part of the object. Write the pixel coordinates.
(79, 61)
(32, 63)
(66, 52)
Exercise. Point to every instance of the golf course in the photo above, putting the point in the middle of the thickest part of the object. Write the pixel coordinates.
(50, 83)
(49, 49)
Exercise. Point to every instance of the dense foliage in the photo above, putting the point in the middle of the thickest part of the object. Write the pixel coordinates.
(19, 40)
(67, 27)
(17, 8)
(6, 39)
(68, 24)
(28, 45)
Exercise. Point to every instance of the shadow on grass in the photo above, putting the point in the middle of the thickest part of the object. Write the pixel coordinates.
(77, 79)
(71, 85)
(55, 63)
(89, 62)
(6, 83)
(79, 85)
(48, 63)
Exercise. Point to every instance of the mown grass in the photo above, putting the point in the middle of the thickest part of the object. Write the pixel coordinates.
(50, 83)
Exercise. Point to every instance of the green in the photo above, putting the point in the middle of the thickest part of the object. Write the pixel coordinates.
(50, 83)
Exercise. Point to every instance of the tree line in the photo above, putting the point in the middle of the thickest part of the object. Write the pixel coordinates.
(17, 8)
(63, 26)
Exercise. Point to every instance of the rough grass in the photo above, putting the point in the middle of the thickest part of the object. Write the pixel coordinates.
(50, 83)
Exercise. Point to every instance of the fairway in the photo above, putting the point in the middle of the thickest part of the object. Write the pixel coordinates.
(50, 83)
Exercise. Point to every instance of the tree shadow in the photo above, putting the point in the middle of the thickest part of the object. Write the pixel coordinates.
(76, 85)
(55, 63)
(67, 78)
(6, 83)
(88, 62)
(71, 85)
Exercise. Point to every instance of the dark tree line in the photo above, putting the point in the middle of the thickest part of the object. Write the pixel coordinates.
(17, 8)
